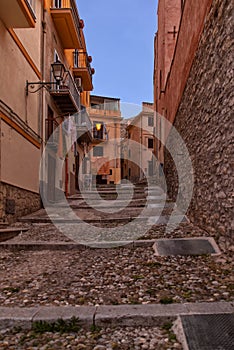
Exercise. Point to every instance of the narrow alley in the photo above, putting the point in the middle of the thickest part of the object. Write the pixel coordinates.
(44, 268)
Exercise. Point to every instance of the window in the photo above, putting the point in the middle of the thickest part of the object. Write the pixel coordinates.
(98, 151)
(98, 130)
(32, 3)
(84, 166)
(150, 143)
(110, 172)
(150, 121)
(76, 58)
(58, 4)
(51, 126)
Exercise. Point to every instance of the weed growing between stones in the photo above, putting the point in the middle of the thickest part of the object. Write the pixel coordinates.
(59, 326)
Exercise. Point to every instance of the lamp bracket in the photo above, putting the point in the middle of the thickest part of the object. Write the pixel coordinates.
(30, 86)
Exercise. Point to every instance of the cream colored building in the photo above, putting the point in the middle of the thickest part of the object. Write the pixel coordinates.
(35, 34)
(137, 147)
(106, 117)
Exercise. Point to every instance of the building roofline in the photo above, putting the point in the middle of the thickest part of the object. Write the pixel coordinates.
(107, 97)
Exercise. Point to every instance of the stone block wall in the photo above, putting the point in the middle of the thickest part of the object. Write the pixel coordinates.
(16, 202)
(204, 119)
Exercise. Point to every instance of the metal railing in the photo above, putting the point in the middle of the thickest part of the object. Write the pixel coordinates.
(68, 84)
(82, 119)
(80, 60)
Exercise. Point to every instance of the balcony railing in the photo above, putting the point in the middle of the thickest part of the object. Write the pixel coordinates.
(66, 95)
(82, 69)
(83, 125)
(66, 19)
(82, 60)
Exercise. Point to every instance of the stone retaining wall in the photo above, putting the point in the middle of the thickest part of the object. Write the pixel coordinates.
(16, 202)
(205, 122)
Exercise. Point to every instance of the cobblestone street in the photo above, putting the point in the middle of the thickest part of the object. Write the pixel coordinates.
(35, 272)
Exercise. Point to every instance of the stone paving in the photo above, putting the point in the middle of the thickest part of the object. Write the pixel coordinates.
(119, 338)
(110, 276)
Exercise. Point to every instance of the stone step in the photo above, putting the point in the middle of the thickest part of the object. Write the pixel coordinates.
(8, 233)
(151, 220)
(112, 315)
(64, 246)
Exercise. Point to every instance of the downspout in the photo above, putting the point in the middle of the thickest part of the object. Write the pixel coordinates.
(42, 93)
(141, 144)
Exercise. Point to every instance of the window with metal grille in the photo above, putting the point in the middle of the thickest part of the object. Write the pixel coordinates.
(150, 121)
(98, 151)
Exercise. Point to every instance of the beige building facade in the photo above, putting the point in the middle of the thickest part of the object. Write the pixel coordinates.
(138, 146)
(106, 119)
(46, 80)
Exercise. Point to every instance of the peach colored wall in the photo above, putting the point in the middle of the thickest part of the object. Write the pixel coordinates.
(14, 147)
(31, 37)
(190, 30)
(169, 13)
(15, 69)
(174, 57)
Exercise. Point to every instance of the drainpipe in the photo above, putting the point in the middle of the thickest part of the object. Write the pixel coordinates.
(141, 143)
(115, 150)
(42, 93)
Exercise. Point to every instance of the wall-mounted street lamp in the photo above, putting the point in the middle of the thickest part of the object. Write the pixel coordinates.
(58, 71)
(98, 126)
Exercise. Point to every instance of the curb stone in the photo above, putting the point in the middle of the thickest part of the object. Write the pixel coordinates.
(37, 245)
(109, 315)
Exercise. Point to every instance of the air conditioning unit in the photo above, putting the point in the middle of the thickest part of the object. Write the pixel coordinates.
(79, 83)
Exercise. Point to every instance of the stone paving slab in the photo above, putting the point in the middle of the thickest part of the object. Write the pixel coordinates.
(116, 315)
(43, 245)
(137, 315)
(17, 317)
(186, 246)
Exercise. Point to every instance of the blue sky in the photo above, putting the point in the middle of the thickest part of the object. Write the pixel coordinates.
(120, 36)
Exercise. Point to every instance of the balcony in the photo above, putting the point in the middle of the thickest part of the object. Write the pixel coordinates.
(66, 95)
(82, 69)
(83, 126)
(17, 13)
(100, 111)
(67, 23)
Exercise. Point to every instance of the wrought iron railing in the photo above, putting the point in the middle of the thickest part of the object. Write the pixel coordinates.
(82, 60)
(68, 84)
